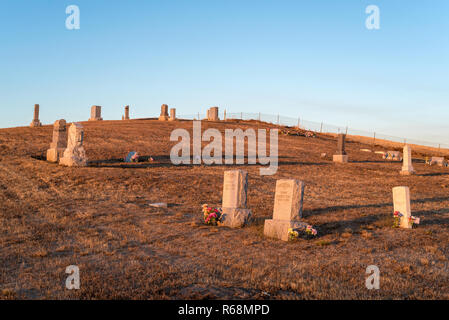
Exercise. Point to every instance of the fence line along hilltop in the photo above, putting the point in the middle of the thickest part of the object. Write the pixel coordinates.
(367, 137)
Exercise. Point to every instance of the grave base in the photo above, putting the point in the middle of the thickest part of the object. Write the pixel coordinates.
(406, 172)
(278, 229)
(235, 217)
(341, 158)
(74, 158)
(53, 155)
(163, 118)
(36, 123)
(95, 119)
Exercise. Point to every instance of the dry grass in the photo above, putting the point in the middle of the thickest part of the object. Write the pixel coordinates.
(98, 218)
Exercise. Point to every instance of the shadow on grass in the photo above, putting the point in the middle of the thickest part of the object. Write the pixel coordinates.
(165, 161)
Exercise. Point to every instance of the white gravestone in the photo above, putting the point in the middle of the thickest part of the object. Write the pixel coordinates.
(407, 167)
(401, 203)
(234, 206)
(287, 210)
(75, 155)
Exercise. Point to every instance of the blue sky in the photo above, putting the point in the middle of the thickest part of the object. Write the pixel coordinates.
(313, 59)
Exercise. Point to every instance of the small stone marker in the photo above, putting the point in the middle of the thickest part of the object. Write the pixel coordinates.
(212, 114)
(164, 113)
(75, 155)
(36, 122)
(401, 203)
(158, 205)
(126, 113)
(287, 211)
(235, 188)
(341, 155)
(59, 142)
(95, 113)
(172, 114)
(438, 161)
(407, 167)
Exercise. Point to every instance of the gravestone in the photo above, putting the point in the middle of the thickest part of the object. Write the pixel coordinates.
(36, 122)
(126, 113)
(407, 167)
(212, 114)
(341, 155)
(172, 114)
(287, 210)
(401, 203)
(235, 188)
(59, 142)
(164, 113)
(95, 113)
(438, 161)
(74, 155)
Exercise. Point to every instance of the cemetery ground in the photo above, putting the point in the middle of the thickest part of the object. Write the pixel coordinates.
(99, 219)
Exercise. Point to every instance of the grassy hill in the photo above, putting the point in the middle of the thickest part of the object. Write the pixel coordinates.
(99, 219)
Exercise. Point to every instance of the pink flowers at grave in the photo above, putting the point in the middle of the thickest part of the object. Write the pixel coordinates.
(211, 216)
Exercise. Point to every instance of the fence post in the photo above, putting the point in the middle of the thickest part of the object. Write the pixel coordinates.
(374, 140)
(224, 115)
(299, 122)
(241, 115)
(321, 127)
(198, 116)
(278, 118)
(259, 116)
(439, 151)
(346, 130)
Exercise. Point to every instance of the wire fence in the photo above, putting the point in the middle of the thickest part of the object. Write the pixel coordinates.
(318, 127)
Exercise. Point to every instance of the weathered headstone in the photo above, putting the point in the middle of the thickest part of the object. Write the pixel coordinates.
(401, 203)
(74, 155)
(287, 209)
(126, 113)
(59, 142)
(407, 167)
(341, 155)
(235, 188)
(212, 114)
(172, 114)
(164, 113)
(36, 122)
(438, 161)
(95, 113)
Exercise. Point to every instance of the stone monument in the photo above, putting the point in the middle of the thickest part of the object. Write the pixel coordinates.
(75, 155)
(287, 210)
(172, 114)
(407, 167)
(341, 155)
(401, 203)
(95, 113)
(212, 114)
(36, 122)
(164, 113)
(59, 143)
(234, 206)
